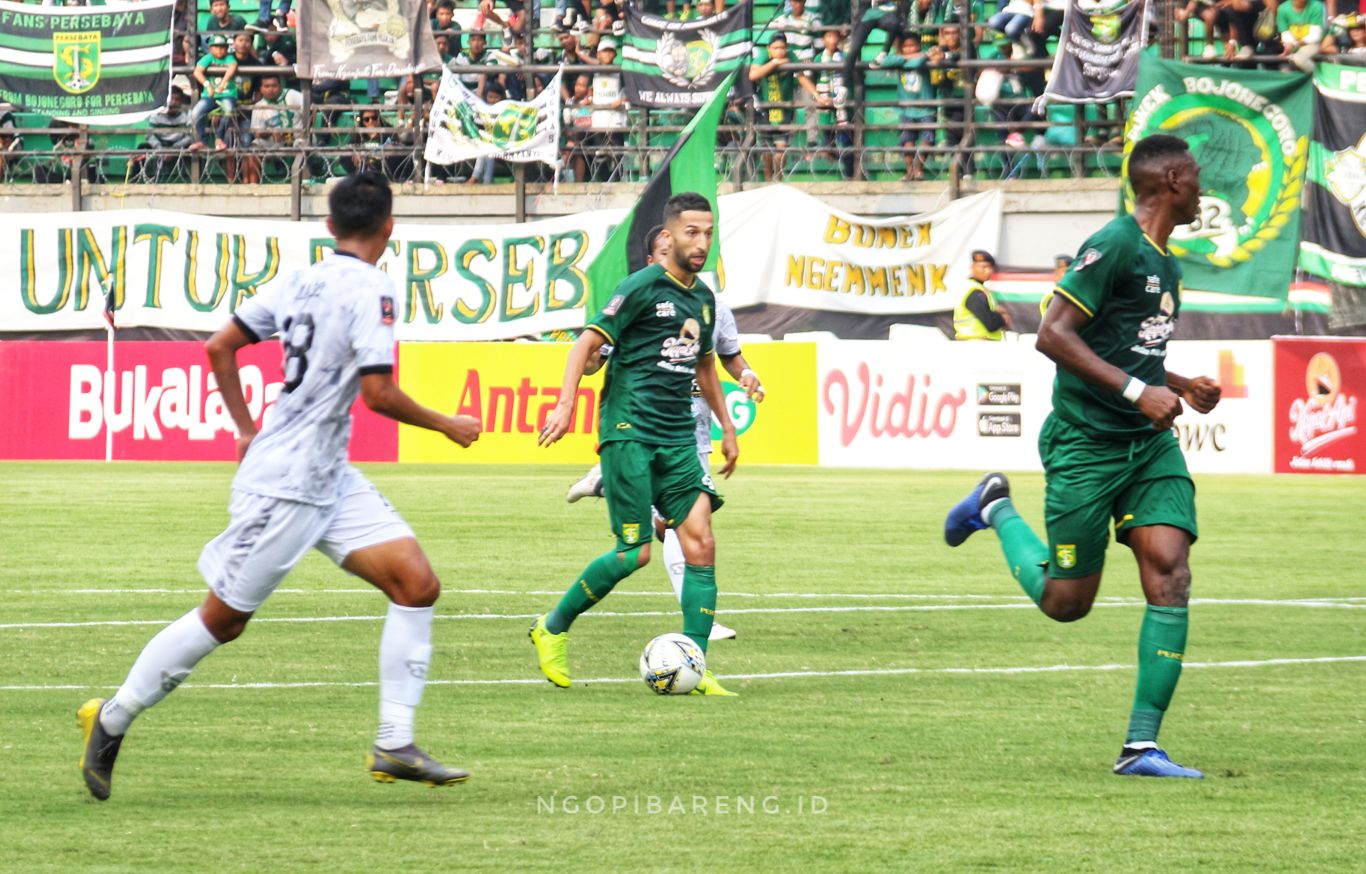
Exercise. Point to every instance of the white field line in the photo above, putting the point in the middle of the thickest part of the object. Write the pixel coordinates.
(869, 608)
(777, 675)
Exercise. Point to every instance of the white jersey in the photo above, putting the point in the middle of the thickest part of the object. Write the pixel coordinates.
(727, 344)
(336, 323)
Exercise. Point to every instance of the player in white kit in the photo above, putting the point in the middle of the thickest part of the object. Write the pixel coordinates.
(728, 352)
(294, 490)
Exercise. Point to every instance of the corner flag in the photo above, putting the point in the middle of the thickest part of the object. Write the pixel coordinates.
(689, 166)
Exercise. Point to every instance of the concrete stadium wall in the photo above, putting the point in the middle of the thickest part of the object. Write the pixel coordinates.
(1042, 217)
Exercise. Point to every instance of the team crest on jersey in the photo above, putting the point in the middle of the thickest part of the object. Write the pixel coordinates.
(1089, 257)
(630, 532)
(613, 305)
(1067, 555)
(386, 310)
(1154, 285)
(664, 309)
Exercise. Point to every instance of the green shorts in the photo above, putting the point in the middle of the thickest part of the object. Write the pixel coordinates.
(638, 476)
(1090, 482)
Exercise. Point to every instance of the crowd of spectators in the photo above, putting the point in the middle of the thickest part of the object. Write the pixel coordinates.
(812, 103)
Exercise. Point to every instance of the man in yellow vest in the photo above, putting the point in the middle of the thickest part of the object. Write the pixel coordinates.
(976, 317)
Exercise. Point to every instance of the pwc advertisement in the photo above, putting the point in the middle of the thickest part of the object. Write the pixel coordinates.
(160, 401)
(1319, 385)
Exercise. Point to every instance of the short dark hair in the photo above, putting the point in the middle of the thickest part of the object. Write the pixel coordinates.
(1149, 158)
(651, 237)
(276, 76)
(983, 256)
(360, 204)
(446, 4)
(687, 201)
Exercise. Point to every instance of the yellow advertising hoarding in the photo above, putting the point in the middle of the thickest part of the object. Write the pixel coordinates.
(512, 387)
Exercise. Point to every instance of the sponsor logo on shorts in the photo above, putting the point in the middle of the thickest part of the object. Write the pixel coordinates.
(708, 482)
(1067, 555)
(630, 532)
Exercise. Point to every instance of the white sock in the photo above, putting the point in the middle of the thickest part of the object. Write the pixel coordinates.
(405, 650)
(674, 562)
(164, 663)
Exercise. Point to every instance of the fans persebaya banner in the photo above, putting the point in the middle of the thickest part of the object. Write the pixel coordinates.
(1334, 240)
(344, 39)
(1097, 58)
(678, 64)
(1249, 131)
(108, 65)
(465, 127)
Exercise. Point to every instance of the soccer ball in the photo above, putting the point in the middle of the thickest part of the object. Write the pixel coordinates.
(672, 664)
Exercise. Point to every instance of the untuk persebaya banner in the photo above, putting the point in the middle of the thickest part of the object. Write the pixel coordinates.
(104, 65)
(678, 64)
(1249, 131)
(342, 39)
(465, 127)
(478, 282)
(1098, 52)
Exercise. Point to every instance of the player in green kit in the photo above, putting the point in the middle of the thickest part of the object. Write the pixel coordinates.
(1108, 450)
(660, 322)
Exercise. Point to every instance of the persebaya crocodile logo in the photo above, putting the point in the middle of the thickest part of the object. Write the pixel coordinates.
(76, 61)
(1251, 166)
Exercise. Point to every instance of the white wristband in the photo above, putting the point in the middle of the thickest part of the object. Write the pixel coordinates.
(1133, 390)
(748, 372)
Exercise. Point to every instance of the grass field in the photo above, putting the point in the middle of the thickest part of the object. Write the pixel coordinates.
(903, 706)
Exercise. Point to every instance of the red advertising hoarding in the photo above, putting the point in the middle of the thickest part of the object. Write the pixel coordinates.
(161, 400)
(1319, 384)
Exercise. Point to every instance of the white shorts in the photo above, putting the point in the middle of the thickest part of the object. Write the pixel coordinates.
(267, 536)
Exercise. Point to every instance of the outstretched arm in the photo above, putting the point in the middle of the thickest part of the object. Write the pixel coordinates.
(710, 384)
(739, 368)
(1059, 340)
(585, 349)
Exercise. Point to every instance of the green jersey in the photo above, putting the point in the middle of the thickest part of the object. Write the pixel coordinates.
(1131, 290)
(659, 329)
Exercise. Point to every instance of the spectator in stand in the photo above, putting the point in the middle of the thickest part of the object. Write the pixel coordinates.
(245, 56)
(610, 17)
(182, 43)
(1208, 13)
(1347, 37)
(516, 17)
(831, 130)
(578, 121)
(170, 125)
(443, 19)
(11, 141)
(1015, 17)
(1301, 23)
(773, 97)
(266, 22)
(218, 91)
(475, 54)
(367, 146)
(1048, 15)
(947, 78)
(275, 120)
(221, 20)
(484, 166)
(801, 29)
(609, 118)
(913, 86)
(443, 48)
(276, 48)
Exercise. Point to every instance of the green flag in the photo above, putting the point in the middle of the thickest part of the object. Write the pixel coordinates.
(689, 166)
(1249, 132)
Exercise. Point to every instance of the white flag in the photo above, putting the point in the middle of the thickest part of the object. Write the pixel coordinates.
(465, 127)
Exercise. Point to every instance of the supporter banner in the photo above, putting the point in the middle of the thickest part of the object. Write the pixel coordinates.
(1319, 385)
(161, 401)
(173, 270)
(1248, 129)
(1333, 244)
(343, 39)
(675, 64)
(465, 127)
(782, 246)
(1097, 57)
(512, 387)
(107, 65)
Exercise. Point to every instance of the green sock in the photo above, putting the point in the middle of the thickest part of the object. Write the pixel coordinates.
(596, 581)
(1161, 646)
(1026, 555)
(699, 603)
